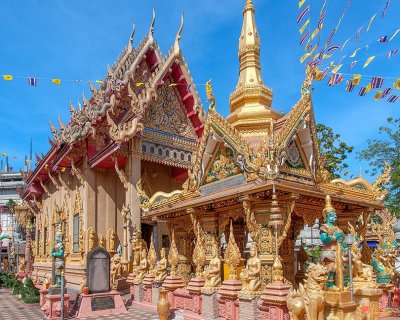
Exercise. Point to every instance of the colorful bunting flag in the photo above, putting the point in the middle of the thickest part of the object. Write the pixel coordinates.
(395, 34)
(385, 8)
(362, 92)
(304, 26)
(332, 48)
(328, 42)
(172, 85)
(393, 98)
(344, 44)
(139, 84)
(368, 88)
(354, 53)
(301, 2)
(369, 60)
(390, 53)
(56, 81)
(350, 86)
(99, 81)
(356, 79)
(7, 77)
(370, 21)
(386, 92)
(302, 14)
(335, 79)
(376, 82)
(378, 95)
(358, 33)
(315, 32)
(32, 81)
(396, 85)
(321, 20)
(352, 64)
(336, 69)
(383, 39)
(304, 37)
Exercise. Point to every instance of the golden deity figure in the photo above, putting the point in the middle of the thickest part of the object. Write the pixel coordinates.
(115, 270)
(102, 241)
(332, 238)
(161, 268)
(21, 264)
(251, 275)
(91, 239)
(212, 274)
(143, 268)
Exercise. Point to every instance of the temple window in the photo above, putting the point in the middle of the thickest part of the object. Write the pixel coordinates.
(75, 245)
(152, 150)
(159, 152)
(175, 155)
(144, 149)
(182, 156)
(167, 153)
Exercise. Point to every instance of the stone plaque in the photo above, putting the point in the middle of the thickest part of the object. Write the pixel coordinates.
(102, 303)
(98, 270)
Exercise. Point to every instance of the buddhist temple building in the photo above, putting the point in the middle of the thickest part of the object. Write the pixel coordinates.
(142, 159)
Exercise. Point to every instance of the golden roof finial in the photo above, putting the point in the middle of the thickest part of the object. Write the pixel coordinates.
(328, 206)
(250, 103)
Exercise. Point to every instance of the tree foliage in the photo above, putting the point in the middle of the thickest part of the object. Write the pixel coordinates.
(386, 148)
(333, 149)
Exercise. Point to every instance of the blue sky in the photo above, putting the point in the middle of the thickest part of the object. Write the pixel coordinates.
(76, 39)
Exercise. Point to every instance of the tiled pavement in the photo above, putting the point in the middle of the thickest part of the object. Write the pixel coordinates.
(11, 308)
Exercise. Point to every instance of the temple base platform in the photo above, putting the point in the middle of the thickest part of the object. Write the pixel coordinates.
(52, 306)
(338, 305)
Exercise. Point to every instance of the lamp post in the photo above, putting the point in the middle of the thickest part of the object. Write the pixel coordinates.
(349, 240)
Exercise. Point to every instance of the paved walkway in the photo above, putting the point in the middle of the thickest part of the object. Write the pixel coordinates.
(11, 308)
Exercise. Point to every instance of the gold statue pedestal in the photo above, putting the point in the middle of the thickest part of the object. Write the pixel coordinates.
(339, 304)
(368, 300)
(230, 289)
(173, 282)
(384, 299)
(195, 285)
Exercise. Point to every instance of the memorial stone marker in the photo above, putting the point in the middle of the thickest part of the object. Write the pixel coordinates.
(98, 270)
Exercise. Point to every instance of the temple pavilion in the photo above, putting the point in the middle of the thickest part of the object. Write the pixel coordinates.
(142, 157)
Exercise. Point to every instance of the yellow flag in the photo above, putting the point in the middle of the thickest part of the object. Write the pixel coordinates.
(344, 44)
(354, 53)
(306, 55)
(396, 85)
(369, 60)
(368, 88)
(356, 79)
(337, 68)
(326, 56)
(395, 34)
(63, 169)
(98, 81)
(318, 75)
(172, 85)
(139, 84)
(7, 77)
(56, 81)
(304, 26)
(301, 2)
(370, 21)
(4, 154)
(378, 95)
(314, 34)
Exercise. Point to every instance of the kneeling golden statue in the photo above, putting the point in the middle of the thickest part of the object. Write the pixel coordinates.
(161, 269)
(212, 274)
(309, 299)
(251, 275)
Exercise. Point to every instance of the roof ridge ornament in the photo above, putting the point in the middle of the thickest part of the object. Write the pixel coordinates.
(153, 21)
(130, 43)
(177, 50)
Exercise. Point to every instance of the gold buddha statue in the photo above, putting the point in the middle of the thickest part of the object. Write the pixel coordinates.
(212, 274)
(161, 268)
(143, 268)
(251, 275)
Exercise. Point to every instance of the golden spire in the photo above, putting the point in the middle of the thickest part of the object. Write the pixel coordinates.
(250, 103)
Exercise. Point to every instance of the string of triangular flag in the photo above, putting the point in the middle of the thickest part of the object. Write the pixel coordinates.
(33, 81)
(370, 82)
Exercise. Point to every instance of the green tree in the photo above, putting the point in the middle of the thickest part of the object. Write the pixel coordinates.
(386, 148)
(11, 204)
(333, 149)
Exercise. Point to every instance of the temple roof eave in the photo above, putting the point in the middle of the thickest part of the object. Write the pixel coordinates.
(338, 194)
